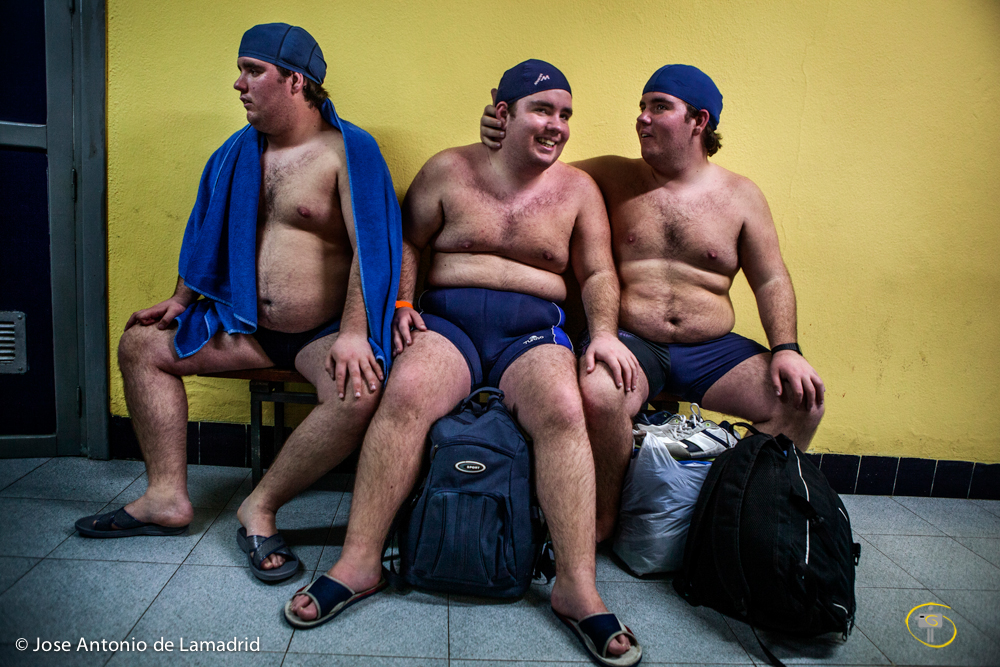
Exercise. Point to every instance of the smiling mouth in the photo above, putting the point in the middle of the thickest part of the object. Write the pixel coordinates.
(548, 143)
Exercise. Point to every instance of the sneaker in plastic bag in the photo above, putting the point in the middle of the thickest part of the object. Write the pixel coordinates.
(692, 437)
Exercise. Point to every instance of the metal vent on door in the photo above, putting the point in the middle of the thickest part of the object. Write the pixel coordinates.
(13, 358)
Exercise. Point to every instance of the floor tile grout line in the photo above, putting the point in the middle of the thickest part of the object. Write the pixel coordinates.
(151, 603)
(872, 641)
(26, 474)
(970, 619)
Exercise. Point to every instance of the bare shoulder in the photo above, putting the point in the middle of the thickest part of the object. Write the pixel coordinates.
(450, 163)
(741, 189)
(616, 176)
(577, 181)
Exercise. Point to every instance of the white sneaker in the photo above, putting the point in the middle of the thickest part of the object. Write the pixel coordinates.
(691, 437)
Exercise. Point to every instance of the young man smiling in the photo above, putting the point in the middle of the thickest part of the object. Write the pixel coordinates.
(503, 227)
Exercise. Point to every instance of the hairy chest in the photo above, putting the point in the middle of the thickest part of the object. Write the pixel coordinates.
(702, 231)
(534, 229)
(299, 190)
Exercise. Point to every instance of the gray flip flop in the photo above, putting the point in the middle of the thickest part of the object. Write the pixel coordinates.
(258, 548)
(122, 524)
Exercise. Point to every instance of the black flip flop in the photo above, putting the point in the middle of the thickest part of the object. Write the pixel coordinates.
(122, 524)
(258, 548)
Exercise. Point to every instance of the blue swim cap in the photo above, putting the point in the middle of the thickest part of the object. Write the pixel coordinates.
(528, 78)
(287, 46)
(689, 84)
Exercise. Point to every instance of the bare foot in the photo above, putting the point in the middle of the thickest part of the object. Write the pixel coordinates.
(259, 521)
(578, 601)
(352, 577)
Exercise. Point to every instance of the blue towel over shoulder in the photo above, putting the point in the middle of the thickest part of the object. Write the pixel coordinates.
(219, 253)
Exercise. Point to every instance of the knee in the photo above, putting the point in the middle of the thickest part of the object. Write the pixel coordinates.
(564, 409)
(134, 348)
(602, 400)
(354, 410)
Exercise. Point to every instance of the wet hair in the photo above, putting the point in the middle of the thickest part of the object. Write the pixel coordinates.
(710, 139)
(314, 92)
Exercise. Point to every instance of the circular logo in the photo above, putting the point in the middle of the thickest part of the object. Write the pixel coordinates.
(929, 626)
(470, 467)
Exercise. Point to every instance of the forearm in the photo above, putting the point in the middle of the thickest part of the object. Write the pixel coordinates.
(354, 320)
(776, 304)
(184, 294)
(601, 299)
(408, 272)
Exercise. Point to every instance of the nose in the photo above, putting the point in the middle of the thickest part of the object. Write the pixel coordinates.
(240, 84)
(644, 117)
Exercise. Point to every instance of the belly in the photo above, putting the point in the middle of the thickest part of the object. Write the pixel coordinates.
(450, 269)
(301, 280)
(669, 303)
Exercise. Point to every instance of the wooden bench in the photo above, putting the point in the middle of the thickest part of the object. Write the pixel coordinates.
(268, 385)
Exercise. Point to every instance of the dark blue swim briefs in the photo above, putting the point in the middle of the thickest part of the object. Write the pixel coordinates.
(686, 370)
(282, 348)
(491, 328)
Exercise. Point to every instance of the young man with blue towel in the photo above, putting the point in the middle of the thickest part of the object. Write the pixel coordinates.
(682, 228)
(291, 258)
(503, 228)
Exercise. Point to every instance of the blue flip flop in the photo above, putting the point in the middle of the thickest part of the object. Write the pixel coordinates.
(122, 524)
(330, 597)
(258, 548)
(597, 630)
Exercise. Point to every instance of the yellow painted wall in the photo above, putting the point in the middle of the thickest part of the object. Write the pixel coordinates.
(873, 127)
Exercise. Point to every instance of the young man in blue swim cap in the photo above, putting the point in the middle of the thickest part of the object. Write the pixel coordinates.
(299, 283)
(682, 228)
(503, 228)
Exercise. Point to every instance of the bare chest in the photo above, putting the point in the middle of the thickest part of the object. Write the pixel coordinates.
(702, 232)
(299, 190)
(534, 229)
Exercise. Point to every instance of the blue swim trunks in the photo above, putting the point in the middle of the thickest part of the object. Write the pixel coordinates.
(686, 370)
(491, 328)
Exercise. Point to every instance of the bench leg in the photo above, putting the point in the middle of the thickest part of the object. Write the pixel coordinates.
(279, 426)
(255, 423)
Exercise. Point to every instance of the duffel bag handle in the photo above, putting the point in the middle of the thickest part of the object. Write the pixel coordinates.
(471, 401)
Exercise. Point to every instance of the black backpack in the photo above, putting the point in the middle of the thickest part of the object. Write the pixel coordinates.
(474, 526)
(770, 542)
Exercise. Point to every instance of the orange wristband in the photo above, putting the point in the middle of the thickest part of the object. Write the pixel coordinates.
(400, 304)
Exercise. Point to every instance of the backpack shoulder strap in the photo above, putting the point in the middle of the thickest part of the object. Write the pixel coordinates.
(726, 522)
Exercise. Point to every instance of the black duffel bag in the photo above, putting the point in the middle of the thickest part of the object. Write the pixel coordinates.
(770, 543)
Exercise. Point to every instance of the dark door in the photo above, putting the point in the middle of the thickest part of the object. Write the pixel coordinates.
(40, 387)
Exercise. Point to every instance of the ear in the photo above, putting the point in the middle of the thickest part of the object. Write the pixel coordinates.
(701, 122)
(298, 82)
(502, 113)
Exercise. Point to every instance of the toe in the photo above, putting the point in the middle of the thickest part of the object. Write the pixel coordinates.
(303, 607)
(619, 645)
(272, 561)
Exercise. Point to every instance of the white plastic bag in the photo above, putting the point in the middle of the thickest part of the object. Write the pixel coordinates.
(658, 498)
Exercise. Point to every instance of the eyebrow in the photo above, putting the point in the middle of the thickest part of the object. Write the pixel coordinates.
(552, 107)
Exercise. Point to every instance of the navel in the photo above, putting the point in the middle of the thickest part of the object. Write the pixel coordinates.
(304, 212)
(676, 321)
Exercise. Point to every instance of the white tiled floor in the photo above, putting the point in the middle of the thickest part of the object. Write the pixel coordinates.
(57, 585)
